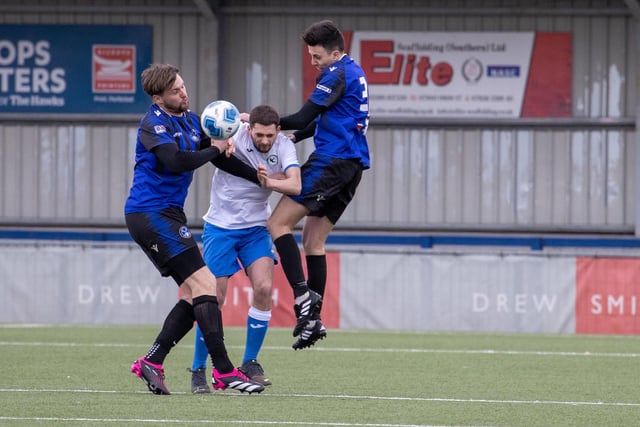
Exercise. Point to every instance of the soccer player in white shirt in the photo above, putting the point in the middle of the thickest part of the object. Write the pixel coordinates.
(235, 231)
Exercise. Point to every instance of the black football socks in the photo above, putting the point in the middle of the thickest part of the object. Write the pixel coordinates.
(178, 322)
(291, 263)
(209, 318)
(317, 272)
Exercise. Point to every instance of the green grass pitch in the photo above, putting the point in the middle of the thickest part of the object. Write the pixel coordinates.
(79, 376)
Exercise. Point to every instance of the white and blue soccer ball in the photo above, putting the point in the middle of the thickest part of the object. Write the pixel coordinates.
(220, 119)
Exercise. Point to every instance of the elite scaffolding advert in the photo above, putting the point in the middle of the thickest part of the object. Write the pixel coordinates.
(461, 75)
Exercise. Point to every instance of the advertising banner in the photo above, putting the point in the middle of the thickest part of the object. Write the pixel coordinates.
(608, 296)
(87, 284)
(239, 294)
(78, 284)
(86, 69)
(487, 293)
(461, 74)
(116, 284)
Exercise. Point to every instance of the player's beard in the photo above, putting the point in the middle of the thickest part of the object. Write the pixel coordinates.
(263, 148)
(177, 108)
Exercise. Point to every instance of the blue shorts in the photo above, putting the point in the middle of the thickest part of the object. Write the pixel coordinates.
(227, 251)
(328, 185)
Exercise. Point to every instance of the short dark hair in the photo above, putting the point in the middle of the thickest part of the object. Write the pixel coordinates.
(326, 34)
(158, 77)
(265, 115)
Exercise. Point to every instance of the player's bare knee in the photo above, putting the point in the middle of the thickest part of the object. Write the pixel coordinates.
(221, 298)
(273, 228)
(313, 246)
(202, 282)
(262, 294)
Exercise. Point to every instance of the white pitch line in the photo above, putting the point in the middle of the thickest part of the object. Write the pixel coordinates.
(476, 351)
(216, 422)
(354, 397)
(460, 400)
(348, 349)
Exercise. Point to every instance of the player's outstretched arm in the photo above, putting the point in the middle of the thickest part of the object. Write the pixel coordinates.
(288, 183)
(237, 167)
(302, 118)
(178, 161)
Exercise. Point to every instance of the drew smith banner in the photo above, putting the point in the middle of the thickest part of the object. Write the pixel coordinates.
(73, 68)
(463, 74)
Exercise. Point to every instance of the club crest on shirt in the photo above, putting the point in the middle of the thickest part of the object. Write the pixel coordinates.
(194, 135)
(184, 231)
(272, 160)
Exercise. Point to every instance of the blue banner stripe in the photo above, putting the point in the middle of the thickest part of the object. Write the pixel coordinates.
(337, 238)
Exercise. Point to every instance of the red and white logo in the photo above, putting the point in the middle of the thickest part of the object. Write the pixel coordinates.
(113, 68)
(608, 296)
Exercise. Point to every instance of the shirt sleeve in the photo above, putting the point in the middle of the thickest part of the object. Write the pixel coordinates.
(303, 118)
(287, 152)
(237, 167)
(178, 161)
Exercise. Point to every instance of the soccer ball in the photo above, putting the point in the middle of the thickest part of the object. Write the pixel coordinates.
(220, 119)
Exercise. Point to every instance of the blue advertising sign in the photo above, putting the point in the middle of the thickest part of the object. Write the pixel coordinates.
(84, 69)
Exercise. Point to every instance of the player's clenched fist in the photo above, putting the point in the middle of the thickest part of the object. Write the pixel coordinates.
(225, 146)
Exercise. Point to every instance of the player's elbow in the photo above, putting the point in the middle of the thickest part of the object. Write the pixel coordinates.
(295, 188)
(291, 190)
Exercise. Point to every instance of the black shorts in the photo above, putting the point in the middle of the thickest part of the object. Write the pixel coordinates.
(328, 185)
(167, 241)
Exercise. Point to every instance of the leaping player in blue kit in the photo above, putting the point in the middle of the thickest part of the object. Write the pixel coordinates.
(337, 115)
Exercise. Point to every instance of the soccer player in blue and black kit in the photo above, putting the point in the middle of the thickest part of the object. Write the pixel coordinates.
(337, 115)
(170, 146)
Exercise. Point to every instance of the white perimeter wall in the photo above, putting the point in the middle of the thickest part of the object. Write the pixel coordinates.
(457, 292)
(116, 284)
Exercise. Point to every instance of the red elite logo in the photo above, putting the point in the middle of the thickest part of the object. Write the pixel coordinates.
(377, 56)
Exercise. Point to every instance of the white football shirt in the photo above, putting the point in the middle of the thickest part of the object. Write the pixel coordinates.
(236, 203)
